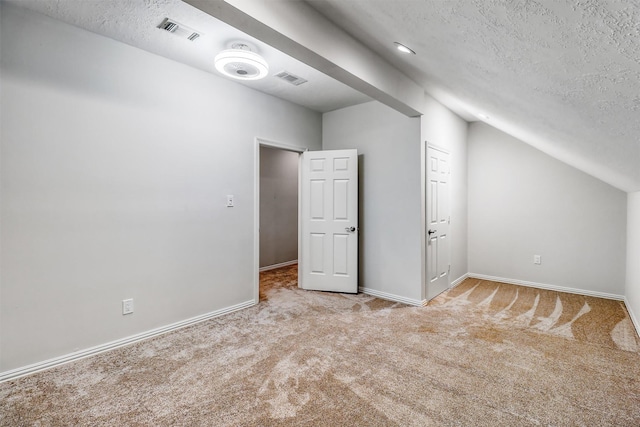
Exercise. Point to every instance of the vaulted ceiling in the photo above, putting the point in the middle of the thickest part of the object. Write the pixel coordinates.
(563, 76)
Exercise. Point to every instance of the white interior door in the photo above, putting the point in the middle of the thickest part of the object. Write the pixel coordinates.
(438, 221)
(328, 259)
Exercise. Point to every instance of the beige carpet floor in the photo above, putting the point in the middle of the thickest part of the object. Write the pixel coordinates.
(483, 354)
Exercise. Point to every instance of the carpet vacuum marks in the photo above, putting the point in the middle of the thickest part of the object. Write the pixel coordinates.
(482, 354)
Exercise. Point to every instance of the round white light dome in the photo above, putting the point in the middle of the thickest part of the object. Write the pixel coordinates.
(241, 64)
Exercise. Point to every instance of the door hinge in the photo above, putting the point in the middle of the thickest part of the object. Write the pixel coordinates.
(449, 220)
(449, 271)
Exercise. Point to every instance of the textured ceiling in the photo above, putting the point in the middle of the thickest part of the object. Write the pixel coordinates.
(563, 76)
(135, 22)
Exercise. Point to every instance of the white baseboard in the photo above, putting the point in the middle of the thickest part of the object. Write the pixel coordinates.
(390, 297)
(81, 354)
(274, 266)
(633, 317)
(459, 280)
(404, 300)
(549, 287)
(452, 285)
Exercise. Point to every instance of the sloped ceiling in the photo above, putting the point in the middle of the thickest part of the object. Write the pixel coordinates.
(563, 76)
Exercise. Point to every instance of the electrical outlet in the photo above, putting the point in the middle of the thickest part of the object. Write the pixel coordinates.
(127, 306)
(230, 201)
(537, 259)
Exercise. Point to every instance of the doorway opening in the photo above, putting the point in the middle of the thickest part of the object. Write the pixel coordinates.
(277, 213)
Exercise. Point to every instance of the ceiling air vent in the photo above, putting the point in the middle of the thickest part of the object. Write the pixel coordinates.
(291, 78)
(179, 29)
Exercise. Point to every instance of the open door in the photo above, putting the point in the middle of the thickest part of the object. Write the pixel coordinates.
(328, 259)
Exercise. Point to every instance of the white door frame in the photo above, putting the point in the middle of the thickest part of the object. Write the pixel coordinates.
(256, 203)
(424, 225)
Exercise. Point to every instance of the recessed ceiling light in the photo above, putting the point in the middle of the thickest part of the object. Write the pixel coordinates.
(483, 116)
(241, 63)
(404, 49)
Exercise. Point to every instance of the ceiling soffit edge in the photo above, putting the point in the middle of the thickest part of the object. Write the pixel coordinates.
(303, 33)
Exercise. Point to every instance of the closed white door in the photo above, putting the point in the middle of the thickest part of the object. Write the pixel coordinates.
(328, 259)
(438, 221)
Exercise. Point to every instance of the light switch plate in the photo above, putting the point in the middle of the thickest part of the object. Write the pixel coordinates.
(127, 306)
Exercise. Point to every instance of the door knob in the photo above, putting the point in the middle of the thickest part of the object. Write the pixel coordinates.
(349, 229)
(432, 231)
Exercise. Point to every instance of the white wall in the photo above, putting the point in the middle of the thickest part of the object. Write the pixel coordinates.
(388, 145)
(523, 202)
(115, 168)
(278, 206)
(632, 288)
(441, 127)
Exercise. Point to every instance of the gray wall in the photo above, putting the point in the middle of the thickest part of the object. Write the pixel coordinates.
(443, 128)
(278, 206)
(632, 288)
(388, 145)
(115, 168)
(523, 202)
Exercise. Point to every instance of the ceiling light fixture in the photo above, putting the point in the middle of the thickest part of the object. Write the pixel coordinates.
(483, 116)
(241, 63)
(404, 49)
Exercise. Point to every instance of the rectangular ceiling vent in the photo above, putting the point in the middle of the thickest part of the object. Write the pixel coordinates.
(179, 29)
(291, 78)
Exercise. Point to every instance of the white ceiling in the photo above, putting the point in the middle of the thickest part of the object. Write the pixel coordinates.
(563, 76)
(135, 23)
